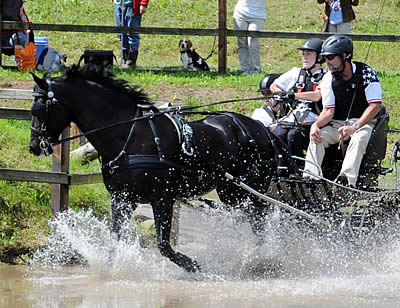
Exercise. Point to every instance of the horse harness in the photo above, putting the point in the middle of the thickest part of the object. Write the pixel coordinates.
(50, 100)
(125, 161)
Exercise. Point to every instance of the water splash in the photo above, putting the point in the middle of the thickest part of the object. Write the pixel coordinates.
(222, 242)
(80, 238)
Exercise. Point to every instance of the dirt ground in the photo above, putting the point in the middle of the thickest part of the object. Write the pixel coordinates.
(164, 93)
(23, 85)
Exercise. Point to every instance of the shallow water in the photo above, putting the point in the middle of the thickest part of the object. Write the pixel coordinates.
(294, 270)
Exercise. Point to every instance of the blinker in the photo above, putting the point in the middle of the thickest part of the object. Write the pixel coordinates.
(38, 110)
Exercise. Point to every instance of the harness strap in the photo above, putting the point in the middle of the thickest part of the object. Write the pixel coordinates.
(175, 120)
(157, 140)
(127, 142)
(244, 129)
(246, 132)
(147, 161)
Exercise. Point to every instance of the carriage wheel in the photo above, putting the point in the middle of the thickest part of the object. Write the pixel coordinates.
(372, 222)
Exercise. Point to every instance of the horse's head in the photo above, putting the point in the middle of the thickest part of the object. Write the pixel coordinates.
(49, 117)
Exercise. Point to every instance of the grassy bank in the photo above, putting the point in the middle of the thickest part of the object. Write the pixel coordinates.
(24, 207)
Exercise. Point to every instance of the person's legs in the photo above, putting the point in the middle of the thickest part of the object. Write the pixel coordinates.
(130, 41)
(256, 24)
(332, 28)
(298, 140)
(340, 28)
(119, 22)
(134, 38)
(344, 27)
(316, 151)
(355, 152)
(282, 132)
(240, 23)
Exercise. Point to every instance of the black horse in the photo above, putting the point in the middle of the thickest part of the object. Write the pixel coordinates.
(152, 156)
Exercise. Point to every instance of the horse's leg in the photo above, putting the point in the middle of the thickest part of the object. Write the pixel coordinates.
(257, 217)
(121, 213)
(255, 212)
(162, 211)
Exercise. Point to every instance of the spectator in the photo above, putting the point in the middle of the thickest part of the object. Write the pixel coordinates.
(300, 84)
(351, 98)
(249, 15)
(13, 10)
(338, 15)
(128, 13)
(273, 109)
(25, 51)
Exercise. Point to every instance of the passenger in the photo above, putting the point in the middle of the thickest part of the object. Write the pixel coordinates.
(273, 109)
(351, 98)
(300, 84)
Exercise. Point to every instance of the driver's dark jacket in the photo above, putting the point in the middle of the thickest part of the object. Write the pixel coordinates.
(346, 91)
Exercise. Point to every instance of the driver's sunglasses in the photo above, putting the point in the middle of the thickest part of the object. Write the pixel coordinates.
(330, 57)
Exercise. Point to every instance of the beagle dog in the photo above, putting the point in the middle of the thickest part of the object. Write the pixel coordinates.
(190, 58)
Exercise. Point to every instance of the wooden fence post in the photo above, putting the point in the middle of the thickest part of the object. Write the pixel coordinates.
(59, 192)
(1, 32)
(222, 34)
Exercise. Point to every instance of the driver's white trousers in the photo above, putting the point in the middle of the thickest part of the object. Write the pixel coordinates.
(354, 154)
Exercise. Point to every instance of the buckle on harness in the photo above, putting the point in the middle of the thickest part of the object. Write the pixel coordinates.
(187, 140)
(148, 114)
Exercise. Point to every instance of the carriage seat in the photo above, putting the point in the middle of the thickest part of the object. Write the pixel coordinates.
(370, 167)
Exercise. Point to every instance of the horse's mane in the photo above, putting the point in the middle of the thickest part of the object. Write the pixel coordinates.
(106, 78)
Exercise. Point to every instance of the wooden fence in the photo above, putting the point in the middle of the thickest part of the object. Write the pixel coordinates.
(222, 32)
(59, 177)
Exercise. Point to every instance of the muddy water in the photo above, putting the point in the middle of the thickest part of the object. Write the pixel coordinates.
(292, 269)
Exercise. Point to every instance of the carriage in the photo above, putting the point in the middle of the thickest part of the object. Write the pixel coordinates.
(157, 157)
(360, 213)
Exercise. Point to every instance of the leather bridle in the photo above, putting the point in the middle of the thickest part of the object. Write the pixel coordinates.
(49, 99)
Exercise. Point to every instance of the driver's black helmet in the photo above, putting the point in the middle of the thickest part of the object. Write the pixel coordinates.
(267, 81)
(338, 44)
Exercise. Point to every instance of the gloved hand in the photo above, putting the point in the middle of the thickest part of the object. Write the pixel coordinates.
(283, 95)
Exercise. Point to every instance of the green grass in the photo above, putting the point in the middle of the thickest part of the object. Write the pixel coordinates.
(162, 50)
(25, 207)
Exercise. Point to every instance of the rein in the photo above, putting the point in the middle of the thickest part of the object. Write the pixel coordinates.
(375, 30)
(152, 114)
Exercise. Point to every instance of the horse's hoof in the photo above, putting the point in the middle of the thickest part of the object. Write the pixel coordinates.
(193, 268)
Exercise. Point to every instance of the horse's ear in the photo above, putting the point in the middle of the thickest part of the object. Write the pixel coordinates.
(41, 83)
(47, 75)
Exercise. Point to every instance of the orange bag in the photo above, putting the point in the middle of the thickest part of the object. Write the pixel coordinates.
(26, 57)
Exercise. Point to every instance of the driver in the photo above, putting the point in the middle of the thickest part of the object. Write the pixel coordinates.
(300, 84)
(351, 97)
